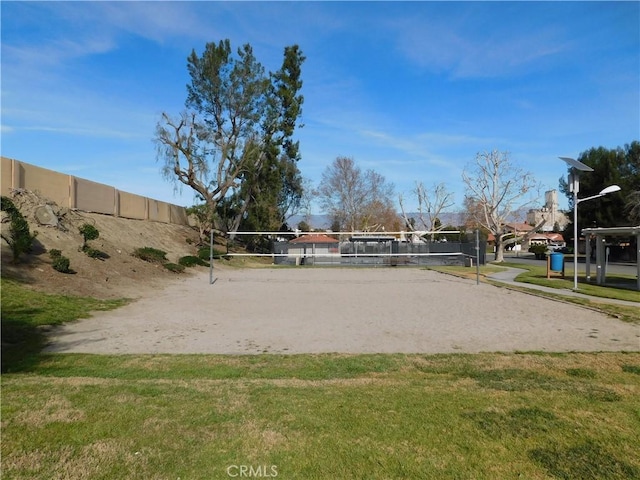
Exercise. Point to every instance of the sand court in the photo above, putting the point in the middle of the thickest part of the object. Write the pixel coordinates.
(344, 310)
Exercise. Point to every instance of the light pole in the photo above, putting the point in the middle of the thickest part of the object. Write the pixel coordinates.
(576, 200)
(574, 187)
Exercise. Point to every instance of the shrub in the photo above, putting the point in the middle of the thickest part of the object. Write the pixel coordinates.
(7, 205)
(150, 254)
(192, 261)
(55, 253)
(89, 232)
(20, 239)
(203, 253)
(95, 253)
(539, 250)
(174, 267)
(61, 264)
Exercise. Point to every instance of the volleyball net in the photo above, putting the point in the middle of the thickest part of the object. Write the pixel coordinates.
(364, 248)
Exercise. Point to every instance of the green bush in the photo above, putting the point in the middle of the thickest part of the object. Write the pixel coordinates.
(7, 205)
(150, 254)
(61, 264)
(192, 261)
(203, 253)
(20, 239)
(89, 232)
(95, 253)
(55, 253)
(174, 267)
(539, 250)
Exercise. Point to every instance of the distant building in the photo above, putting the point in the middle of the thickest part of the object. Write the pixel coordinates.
(314, 248)
(553, 240)
(549, 212)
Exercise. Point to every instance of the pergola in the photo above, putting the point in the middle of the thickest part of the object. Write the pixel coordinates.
(601, 261)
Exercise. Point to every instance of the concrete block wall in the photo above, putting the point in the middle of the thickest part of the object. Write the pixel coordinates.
(159, 211)
(86, 195)
(94, 197)
(133, 206)
(51, 184)
(6, 176)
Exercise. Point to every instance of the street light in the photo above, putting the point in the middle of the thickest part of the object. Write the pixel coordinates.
(609, 189)
(574, 187)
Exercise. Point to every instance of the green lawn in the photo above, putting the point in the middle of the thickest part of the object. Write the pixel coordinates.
(25, 312)
(484, 416)
(538, 275)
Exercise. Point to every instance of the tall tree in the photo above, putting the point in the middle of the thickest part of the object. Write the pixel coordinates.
(619, 166)
(496, 188)
(356, 199)
(273, 190)
(237, 130)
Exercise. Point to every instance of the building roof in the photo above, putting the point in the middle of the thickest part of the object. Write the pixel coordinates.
(314, 238)
(613, 231)
(553, 237)
(519, 227)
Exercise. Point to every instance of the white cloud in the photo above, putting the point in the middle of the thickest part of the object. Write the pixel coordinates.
(475, 43)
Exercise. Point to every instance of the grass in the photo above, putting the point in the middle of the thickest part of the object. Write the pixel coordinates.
(537, 275)
(482, 416)
(25, 312)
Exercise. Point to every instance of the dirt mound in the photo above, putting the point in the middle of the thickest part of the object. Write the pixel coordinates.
(118, 275)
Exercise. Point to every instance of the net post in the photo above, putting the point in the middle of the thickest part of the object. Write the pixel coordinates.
(477, 257)
(211, 257)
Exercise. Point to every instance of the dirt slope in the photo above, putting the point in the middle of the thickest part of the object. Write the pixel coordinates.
(120, 275)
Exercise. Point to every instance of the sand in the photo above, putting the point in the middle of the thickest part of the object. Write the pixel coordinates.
(344, 310)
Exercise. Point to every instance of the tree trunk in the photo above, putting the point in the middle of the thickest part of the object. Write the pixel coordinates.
(499, 255)
(238, 218)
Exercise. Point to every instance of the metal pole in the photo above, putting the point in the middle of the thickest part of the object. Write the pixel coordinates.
(575, 237)
(211, 257)
(477, 257)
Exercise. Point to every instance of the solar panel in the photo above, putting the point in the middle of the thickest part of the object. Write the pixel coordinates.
(576, 164)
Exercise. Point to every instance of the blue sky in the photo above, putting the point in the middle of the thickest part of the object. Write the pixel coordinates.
(412, 90)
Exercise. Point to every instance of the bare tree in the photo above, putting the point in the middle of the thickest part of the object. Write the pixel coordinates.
(306, 199)
(211, 173)
(358, 200)
(496, 189)
(431, 204)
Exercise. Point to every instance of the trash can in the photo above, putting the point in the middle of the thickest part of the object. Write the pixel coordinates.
(557, 261)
